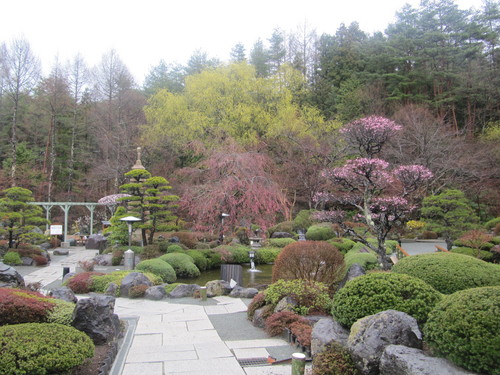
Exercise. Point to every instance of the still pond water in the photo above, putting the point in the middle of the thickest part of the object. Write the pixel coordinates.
(249, 278)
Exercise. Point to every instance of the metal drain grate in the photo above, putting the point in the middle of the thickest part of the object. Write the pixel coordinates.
(247, 362)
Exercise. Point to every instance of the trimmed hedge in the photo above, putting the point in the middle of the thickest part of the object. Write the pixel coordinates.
(449, 273)
(492, 223)
(199, 259)
(375, 292)
(62, 312)
(464, 327)
(160, 268)
(320, 232)
(368, 261)
(12, 258)
(182, 264)
(343, 244)
(22, 306)
(483, 254)
(42, 348)
(266, 255)
(280, 242)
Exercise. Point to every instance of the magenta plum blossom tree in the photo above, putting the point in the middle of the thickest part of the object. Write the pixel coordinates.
(382, 196)
(369, 134)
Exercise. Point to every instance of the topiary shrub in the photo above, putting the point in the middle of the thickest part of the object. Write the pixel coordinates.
(12, 258)
(23, 306)
(303, 220)
(285, 226)
(175, 249)
(266, 255)
(61, 313)
(320, 232)
(199, 259)
(380, 291)
(368, 260)
(310, 260)
(81, 283)
(448, 272)
(182, 264)
(40, 260)
(464, 327)
(487, 256)
(311, 296)
(276, 323)
(214, 259)
(42, 348)
(343, 244)
(150, 252)
(280, 242)
(334, 360)
(160, 268)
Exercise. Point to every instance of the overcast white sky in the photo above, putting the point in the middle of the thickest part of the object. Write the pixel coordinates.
(144, 32)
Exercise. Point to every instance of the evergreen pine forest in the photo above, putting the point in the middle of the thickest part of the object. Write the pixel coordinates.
(272, 113)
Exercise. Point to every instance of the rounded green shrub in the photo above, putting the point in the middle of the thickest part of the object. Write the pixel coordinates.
(280, 242)
(12, 258)
(320, 232)
(62, 312)
(368, 261)
(448, 272)
(492, 223)
(182, 264)
(199, 259)
(464, 327)
(266, 255)
(303, 220)
(175, 249)
(343, 244)
(375, 292)
(311, 296)
(42, 348)
(483, 254)
(214, 259)
(100, 283)
(159, 268)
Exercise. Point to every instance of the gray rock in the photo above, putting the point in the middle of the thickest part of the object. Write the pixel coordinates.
(45, 246)
(97, 242)
(327, 331)
(370, 335)
(133, 279)
(9, 277)
(259, 317)
(64, 293)
(111, 290)
(183, 290)
(27, 261)
(155, 293)
(240, 292)
(354, 271)
(218, 288)
(286, 304)
(95, 316)
(401, 360)
(68, 276)
(61, 252)
(174, 239)
(103, 260)
(281, 235)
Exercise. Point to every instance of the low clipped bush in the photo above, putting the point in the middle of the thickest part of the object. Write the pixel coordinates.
(40, 260)
(334, 360)
(42, 348)
(343, 244)
(175, 249)
(320, 232)
(182, 264)
(487, 256)
(12, 258)
(311, 296)
(266, 255)
(368, 260)
(448, 272)
(375, 292)
(310, 260)
(158, 267)
(61, 313)
(199, 259)
(280, 242)
(464, 328)
(150, 252)
(277, 322)
(23, 306)
(81, 283)
(492, 223)
(137, 291)
(302, 331)
(285, 226)
(117, 257)
(188, 239)
(214, 259)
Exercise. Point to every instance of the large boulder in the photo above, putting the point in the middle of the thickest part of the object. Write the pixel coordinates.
(326, 331)
(9, 277)
(260, 315)
(97, 242)
(61, 251)
(370, 335)
(133, 279)
(287, 303)
(64, 293)
(155, 293)
(183, 290)
(103, 260)
(240, 292)
(402, 360)
(217, 288)
(95, 316)
(354, 271)
(112, 289)
(27, 261)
